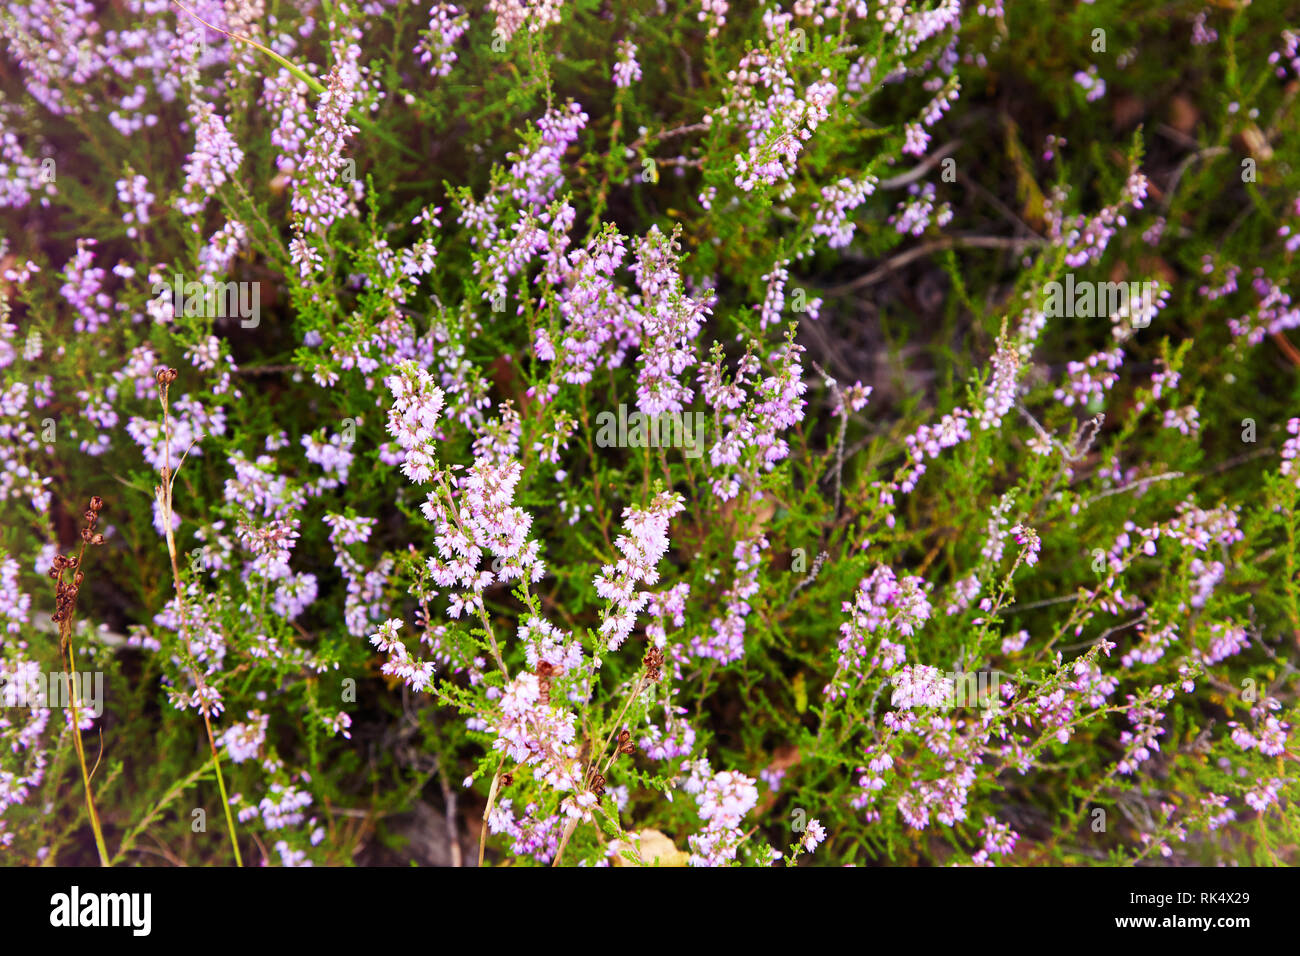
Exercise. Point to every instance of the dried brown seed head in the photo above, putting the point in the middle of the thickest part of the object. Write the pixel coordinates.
(653, 662)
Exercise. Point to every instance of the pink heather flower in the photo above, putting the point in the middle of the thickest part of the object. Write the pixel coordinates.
(920, 686)
(1093, 85)
(134, 192)
(1015, 643)
(447, 24)
(411, 420)
(918, 140)
(831, 213)
(285, 98)
(216, 158)
(753, 439)
(1290, 52)
(776, 120)
(670, 321)
(855, 397)
(537, 171)
(999, 839)
(1227, 640)
(884, 604)
(1084, 386)
(83, 289)
(774, 299)
(511, 15)
(1263, 797)
(713, 12)
(965, 590)
(724, 640)
(418, 675)
(644, 544)
(1291, 450)
(362, 605)
(1270, 735)
(675, 739)
(290, 856)
(338, 724)
(915, 214)
(626, 71)
(14, 604)
(282, 807)
(539, 735)
(216, 257)
(482, 520)
(207, 701)
(772, 776)
(1201, 34)
(1000, 391)
(723, 803)
(320, 193)
(1028, 538)
(1139, 742)
(1186, 420)
(244, 741)
(813, 835)
(24, 175)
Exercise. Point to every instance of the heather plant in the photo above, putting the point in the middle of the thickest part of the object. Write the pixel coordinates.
(650, 433)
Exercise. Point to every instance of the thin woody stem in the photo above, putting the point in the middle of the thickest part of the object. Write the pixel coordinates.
(164, 493)
(66, 650)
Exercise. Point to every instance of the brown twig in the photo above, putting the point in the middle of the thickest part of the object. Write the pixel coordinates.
(927, 248)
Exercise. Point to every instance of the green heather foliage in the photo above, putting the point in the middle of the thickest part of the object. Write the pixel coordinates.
(695, 432)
